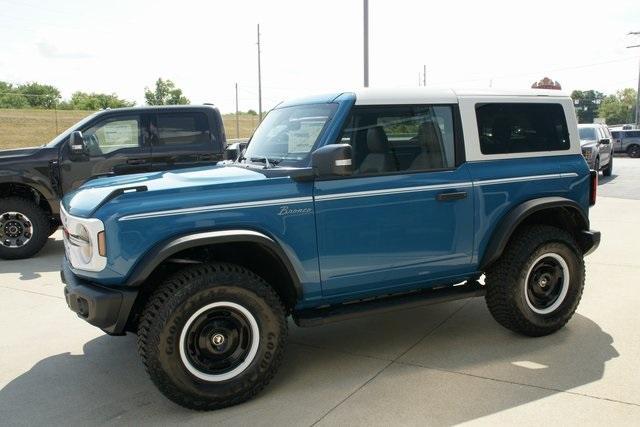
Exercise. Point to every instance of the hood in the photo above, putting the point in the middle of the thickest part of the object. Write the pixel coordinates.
(165, 186)
(16, 153)
(587, 143)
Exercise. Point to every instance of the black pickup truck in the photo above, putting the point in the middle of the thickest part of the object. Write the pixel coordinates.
(109, 142)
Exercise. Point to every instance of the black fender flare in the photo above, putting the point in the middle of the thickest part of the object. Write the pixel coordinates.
(509, 222)
(35, 183)
(164, 250)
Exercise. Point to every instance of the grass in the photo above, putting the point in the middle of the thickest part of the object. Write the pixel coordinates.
(29, 127)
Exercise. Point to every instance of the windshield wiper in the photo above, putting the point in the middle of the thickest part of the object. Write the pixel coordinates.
(268, 162)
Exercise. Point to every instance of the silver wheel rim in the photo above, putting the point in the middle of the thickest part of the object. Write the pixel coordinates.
(563, 291)
(255, 341)
(16, 229)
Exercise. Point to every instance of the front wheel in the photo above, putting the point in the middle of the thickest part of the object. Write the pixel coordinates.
(609, 169)
(24, 228)
(535, 287)
(212, 336)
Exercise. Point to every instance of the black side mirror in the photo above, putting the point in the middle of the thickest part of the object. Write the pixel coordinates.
(76, 143)
(332, 160)
(233, 151)
(605, 141)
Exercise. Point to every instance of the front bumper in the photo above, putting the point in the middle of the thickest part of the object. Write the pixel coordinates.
(589, 241)
(106, 308)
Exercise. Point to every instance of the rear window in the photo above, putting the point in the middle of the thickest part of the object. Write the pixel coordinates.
(520, 128)
(182, 129)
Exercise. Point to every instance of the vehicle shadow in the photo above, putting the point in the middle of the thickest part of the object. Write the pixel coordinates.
(107, 383)
(602, 180)
(47, 260)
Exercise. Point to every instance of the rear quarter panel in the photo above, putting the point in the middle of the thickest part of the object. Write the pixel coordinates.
(527, 175)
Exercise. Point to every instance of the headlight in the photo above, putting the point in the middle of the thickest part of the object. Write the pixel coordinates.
(586, 152)
(84, 242)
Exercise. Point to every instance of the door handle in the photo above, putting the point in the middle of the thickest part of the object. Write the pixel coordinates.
(135, 161)
(444, 197)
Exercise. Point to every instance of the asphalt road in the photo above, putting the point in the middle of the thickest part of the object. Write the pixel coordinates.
(437, 365)
(624, 182)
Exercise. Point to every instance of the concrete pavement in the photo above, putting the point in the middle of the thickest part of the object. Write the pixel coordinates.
(439, 365)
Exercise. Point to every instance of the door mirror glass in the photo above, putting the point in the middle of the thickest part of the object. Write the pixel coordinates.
(76, 143)
(605, 141)
(332, 160)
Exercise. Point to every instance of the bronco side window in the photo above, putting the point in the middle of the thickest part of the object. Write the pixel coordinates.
(521, 127)
(388, 139)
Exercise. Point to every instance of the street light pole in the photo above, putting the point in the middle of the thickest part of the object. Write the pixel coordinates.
(366, 43)
(259, 81)
(635, 33)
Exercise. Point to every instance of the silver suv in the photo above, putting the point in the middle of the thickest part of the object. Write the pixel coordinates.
(627, 141)
(595, 143)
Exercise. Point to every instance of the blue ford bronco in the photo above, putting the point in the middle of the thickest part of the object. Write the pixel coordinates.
(341, 205)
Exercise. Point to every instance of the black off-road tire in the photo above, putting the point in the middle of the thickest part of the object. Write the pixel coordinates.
(506, 280)
(39, 230)
(176, 301)
(634, 151)
(609, 169)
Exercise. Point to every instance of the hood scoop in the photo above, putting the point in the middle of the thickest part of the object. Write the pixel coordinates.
(117, 192)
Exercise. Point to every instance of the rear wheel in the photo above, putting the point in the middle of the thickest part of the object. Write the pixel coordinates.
(609, 169)
(634, 151)
(535, 287)
(24, 228)
(212, 336)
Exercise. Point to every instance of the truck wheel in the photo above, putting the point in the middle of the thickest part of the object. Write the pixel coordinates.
(609, 169)
(596, 165)
(536, 285)
(634, 151)
(211, 336)
(24, 228)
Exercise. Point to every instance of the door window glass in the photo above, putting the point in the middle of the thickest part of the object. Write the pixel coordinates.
(401, 139)
(182, 129)
(113, 134)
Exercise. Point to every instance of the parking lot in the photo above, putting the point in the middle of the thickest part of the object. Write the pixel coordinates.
(444, 364)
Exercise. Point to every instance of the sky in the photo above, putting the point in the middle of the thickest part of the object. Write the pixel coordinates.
(309, 47)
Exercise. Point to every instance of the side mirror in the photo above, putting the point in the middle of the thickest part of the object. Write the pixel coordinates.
(76, 143)
(332, 160)
(605, 141)
(233, 151)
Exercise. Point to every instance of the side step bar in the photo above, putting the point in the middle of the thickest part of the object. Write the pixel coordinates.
(336, 313)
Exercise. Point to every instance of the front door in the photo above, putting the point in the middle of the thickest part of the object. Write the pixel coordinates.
(114, 147)
(405, 216)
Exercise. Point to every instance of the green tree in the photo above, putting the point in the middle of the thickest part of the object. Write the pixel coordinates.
(619, 108)
(39, 95)
(165, 93)
(97, 101)
(587, 104)
(10, 97)
(252, 113)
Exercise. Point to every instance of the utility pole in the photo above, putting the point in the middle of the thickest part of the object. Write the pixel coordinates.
(424, 75)
(259, 81)
(237, 117)
(635, 33)
(366, 43)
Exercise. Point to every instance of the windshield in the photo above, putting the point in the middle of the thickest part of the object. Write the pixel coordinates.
(588, 134)
(66, 133)
(287, 135)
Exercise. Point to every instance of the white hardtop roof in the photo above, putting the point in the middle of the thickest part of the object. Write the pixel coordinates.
(420, 95)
